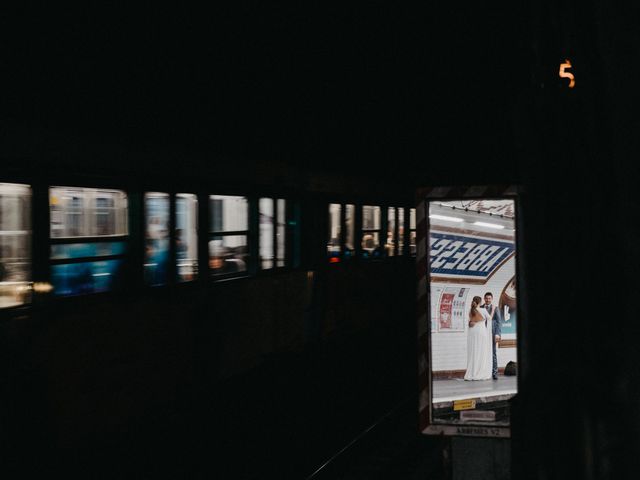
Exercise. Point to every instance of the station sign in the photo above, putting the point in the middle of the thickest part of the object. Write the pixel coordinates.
(466, 257)
(466, 404)
(478, 415)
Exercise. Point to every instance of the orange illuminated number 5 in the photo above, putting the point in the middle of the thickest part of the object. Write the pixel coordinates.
(564, 74)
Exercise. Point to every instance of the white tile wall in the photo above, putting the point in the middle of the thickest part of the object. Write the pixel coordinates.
(449, 349)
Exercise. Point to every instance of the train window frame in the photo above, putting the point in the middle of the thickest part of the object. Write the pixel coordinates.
(290, 231)
(400, 231)
(410, 231)
(346, 230)
(402, 235)
(344, 254)
(391, 252)
(120, 239)
(175, 240)
(169, 260)
(381, 231)
(337, 257)
(24, 288)
(248, 233)
(266, 263)
(427, 424)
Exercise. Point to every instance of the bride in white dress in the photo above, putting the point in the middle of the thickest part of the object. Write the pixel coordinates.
(479, 353)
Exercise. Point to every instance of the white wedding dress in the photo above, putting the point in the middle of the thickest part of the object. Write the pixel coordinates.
(479, 352)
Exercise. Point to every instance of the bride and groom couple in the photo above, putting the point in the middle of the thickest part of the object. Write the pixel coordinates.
(484, 334)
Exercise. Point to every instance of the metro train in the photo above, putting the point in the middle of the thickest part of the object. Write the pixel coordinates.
(89, 238)
(126, 301)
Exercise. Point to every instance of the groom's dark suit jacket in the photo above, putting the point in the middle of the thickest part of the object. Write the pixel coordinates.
(497, 319)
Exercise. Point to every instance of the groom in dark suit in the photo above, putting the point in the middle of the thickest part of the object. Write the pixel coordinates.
(496, 318)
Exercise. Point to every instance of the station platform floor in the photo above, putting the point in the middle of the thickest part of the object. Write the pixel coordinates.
(446, 391)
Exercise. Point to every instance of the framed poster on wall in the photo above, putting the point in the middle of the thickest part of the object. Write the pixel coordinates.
(451, 309)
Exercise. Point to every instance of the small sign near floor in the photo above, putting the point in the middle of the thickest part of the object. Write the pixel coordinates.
(478, 415)
(466, 404)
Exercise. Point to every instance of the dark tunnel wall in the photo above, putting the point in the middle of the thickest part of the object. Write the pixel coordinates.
(579, 329)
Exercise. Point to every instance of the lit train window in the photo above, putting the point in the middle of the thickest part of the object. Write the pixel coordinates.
(370, 239)
(335, 233)
(87, 212)
(350, 230)
(229, 234)
(88, 230)
(280, 232)
(272, 241)
(412, 231)
(15, 244)
(401, 231)
(467, 330)
(186, 236)
(390, 245)
(266, 232)
(156, 238)
(341, 232)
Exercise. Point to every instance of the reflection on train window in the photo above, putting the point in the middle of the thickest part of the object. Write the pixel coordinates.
(228, 236)
(105, 215)
(412, 231)
(85, 277)
(335, 233)
(186, 236)
(390, 246)
(272, 238)
(222, 257)
(15, 244)
(87, 212)
(266, 233)
(280, 232)
(350, 229)
(67, 251)
(88, 229)
(156, 248)
(401, 231)
(371, 231)
(341, 232)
